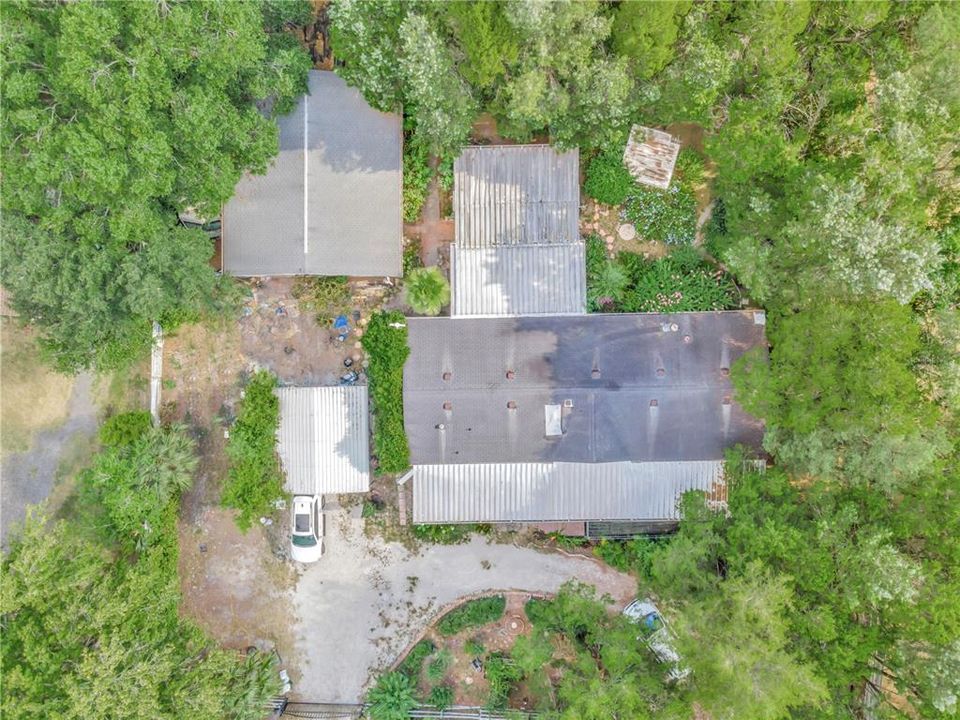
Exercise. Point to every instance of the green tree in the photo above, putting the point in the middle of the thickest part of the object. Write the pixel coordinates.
(364, 35)
(437, 99)
(136, 482)
(736, 642)
(839, 397)
(647, 32)
(487, 41)
(88, 635)
(427, 290)
(117, 116)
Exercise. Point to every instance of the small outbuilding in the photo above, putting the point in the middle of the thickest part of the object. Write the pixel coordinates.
(651, 155)
(323, 439)
(330, 203)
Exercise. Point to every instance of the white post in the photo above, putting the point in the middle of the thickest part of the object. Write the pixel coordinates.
(156, 372)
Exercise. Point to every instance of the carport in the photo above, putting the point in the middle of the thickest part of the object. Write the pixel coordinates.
(323, 439)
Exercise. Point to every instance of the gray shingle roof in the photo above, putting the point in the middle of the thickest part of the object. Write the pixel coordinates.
(330, 203)
(323, 439)
(631, 388)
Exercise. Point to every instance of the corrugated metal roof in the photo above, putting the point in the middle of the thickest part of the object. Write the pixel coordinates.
(323, 439)
(558, 492)
(631, 387)
(516, 195)
(330, 203)
(519, 280)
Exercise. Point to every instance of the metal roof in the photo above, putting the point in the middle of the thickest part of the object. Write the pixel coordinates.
(630, 387)
(558, 492)
(323, 439)
(516, 195)
(519, 280)
(651, 155)
(330, 202)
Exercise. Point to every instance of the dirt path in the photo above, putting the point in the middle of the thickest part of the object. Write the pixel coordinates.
(28, 477)
(433, 231)
(365, 601)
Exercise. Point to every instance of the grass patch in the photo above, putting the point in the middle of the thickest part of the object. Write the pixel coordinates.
(473, 613)
(35, 398)
(325, 297)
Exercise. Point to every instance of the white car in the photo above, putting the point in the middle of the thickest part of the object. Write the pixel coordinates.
(657, 635)
(306, 542)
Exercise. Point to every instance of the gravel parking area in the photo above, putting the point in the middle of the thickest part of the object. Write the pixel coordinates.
(366, 600)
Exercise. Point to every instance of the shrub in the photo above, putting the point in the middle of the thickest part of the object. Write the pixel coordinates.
(438, 666)
(474, 647)
(441, 697)
(606, 286)
(443, 534)
(427, 290)
(607, 180)
(324, 296)
(691, 168)
(472, 613)
(717, 239)
(254, 480)
(636, 554)
(416, 178)
(668, 216)
(502, 673)
(413, 663)
(385, 343)
(411, 255)
(125, 428)
(392, 698)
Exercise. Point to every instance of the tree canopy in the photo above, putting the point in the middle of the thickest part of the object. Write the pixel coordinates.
(117, 116)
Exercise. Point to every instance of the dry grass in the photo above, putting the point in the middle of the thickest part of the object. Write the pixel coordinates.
(32, 397)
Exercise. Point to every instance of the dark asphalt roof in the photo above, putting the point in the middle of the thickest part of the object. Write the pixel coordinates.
(659, 394)
(330, 203)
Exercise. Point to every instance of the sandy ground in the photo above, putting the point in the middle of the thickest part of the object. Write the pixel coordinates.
(27, 478)
(358, 608)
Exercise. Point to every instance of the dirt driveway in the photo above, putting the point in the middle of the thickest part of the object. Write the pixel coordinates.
(365, 601)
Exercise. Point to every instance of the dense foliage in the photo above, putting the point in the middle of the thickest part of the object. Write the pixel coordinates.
(679, 282)
(254, 481)
(472, 613)
(385, 343)
(607, 179)
(116, 116)
(91, 627)
(427, 290)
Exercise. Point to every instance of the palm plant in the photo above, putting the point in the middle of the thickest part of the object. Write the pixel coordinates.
(392, 698)
(607, 285)
(427, 290)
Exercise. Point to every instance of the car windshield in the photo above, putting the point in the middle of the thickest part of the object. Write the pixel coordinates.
(304, 540)
(301, 523)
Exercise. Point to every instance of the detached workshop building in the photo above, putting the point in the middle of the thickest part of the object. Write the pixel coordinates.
(330, 203)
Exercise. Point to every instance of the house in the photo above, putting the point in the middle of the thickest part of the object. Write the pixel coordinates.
(330, 203)
(553, 419)
(518, 249)
(323, 439)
